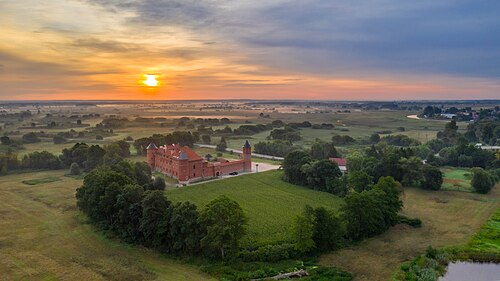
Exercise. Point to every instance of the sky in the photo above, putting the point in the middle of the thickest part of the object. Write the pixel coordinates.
(249, 49)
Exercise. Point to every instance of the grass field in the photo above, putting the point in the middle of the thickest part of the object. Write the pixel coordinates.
(44, 237)
(270, 203)
(487, 239)
(456, 179)
(449, 218)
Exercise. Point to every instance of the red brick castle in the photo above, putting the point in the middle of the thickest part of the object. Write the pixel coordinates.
(185, 165)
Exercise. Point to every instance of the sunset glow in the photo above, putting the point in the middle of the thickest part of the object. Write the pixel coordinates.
(150, 80)
(261, 49)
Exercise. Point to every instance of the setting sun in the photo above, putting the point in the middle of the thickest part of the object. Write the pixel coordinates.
(151, 80)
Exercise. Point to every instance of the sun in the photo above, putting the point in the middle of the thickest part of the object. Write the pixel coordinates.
(150, 80)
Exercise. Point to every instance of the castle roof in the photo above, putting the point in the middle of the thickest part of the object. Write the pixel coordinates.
(183, 156)
(181, 153)
(152, 146)
(247, 144)
(339, 161)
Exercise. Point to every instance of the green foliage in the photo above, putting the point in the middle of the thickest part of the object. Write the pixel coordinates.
(121, 147)
(179, 137)
(482, 182)
(323, 150)
(222, 145)
(41, 160)
(158, 184)
(319, 173)
(342, 140)
(278, 148)
(433, 178)
(224, 222)
(155, 217)
(31, 137)
(372, 211)
(185, 231)
(359, 180)
(426, 267)
(328, 230)
(292, 165)
(303, 230)
(412, 171)
(74, 169)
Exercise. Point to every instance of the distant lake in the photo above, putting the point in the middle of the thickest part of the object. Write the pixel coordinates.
(468, 271)
(414, 116)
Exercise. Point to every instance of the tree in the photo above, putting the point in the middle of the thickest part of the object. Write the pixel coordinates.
(206, 139)
(58, 139)
(481, 181)
(158, 183)
(433, 178)
(303, 230)
(224, 223)
(30, 137)
(323, 150)
(411, 169)
(360, 180)
(222, 145)
(155, 218)
(98, 194)
(185, 231)
(374, 139)
(318, 173)
(5, 140)
(328, 231)
(292, 166)
(128, 219)
(74, 169)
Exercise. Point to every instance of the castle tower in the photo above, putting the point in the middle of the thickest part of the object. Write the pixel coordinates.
(247, 156)
(151, 150)
(183, 166)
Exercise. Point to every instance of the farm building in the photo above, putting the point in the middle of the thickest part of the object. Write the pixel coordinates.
(341, 162)
(182, 163)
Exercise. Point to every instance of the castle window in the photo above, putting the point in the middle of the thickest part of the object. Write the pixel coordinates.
(194, 166)
(194, 174)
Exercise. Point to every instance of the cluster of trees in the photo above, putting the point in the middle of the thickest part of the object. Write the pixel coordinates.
(252, 129)
(289, 133)
(342, 140)
(302, 169)
(364, 214)
(365, 168)
(278, 148)
(177, 137)
(81, 156)
(139, 213)
(188, 122)
(483, 181)
(399, 140)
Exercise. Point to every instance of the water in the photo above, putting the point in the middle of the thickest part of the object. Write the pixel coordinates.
(472, 271)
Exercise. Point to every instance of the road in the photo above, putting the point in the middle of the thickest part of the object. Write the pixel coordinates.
(239, 151)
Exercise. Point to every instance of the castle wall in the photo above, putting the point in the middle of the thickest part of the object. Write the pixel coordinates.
(167, 162)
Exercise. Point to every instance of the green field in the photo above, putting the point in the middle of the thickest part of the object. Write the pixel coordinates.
(44, 237)
(449, 219)
(487, 240)
(456, 179)
(270, 203)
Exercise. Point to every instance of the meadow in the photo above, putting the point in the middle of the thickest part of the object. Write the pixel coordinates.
(44, 237)
(449, 219)
(270, 204)
(456, 179)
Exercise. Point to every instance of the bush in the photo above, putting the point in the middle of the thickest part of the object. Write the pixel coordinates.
(482, 182)
(413, 222)
(269, 253)
(433, 178)
(74, 169)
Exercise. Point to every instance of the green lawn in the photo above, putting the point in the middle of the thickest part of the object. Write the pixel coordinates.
(270, 203)
(456, 179)
(488, 237)
(44, 237)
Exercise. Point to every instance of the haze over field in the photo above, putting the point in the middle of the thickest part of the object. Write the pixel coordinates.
(188, 49)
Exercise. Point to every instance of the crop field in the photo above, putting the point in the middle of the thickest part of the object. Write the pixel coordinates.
(456, 179)
(270, 204)
(44, 237)
(449, 219)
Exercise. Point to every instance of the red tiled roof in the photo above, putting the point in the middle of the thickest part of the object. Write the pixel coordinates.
(339, 161)
(191, 154)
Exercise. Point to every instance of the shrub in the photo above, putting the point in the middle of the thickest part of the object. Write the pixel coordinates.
(74, 169)
(482, 182)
